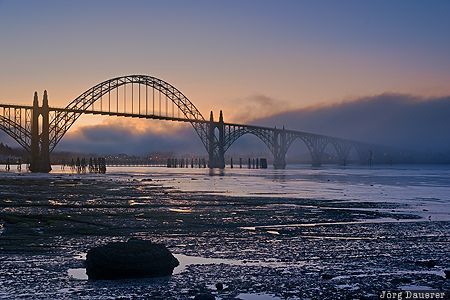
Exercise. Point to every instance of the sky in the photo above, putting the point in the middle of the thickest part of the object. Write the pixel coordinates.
(252, 59)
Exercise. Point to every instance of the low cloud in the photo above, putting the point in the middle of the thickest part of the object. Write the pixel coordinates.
(257, 106)
(124, 138)
(390, 119)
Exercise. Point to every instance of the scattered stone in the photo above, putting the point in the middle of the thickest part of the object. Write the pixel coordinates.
(401, 280)
(132, 259)
(426, 263)
(219, 286)
(327, 276)
(204, 296)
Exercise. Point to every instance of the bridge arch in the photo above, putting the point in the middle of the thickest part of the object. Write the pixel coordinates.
(266, 136)
(316, 144)
(16, 131)
(63, 120)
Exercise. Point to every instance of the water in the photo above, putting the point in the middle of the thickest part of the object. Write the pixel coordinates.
(263, 233)
(425, 187)
(246, 296)
(185, 261)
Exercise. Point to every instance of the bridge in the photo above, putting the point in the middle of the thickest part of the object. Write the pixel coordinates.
(39, 128)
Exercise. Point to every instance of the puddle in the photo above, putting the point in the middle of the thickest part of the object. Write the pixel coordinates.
(273, 232)
(374, 221)
(81, 256)
(134, 203)
(78, 273)
(245, 296)
(415, 288)
(327, 237)
(186, 260)
(433, 272)
(180, 210)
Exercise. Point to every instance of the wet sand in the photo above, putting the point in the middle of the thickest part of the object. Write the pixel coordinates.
(285, 247)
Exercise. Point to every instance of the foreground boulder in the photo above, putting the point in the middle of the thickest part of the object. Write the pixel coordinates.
(204, 296)
(133, 259)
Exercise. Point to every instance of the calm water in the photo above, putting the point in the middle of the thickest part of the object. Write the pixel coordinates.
(426, 187)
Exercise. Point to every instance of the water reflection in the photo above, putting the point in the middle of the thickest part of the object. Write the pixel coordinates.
(216, 172)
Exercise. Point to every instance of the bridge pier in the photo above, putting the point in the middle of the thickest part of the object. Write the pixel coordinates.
(40, 144)
(34, 161)
(317, 160)
(279, 151)
(316, 146)
(216, 149)
(45, 137)
(342, 150)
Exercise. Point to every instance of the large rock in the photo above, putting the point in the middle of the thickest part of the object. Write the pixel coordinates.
(204, 296)
(132, 259)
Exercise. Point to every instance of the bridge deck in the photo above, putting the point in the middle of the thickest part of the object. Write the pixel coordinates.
(167, 118)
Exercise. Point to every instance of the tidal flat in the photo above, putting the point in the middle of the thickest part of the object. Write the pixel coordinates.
(268, 246)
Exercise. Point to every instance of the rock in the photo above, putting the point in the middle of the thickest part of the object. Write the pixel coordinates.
(447, 274)
(219, 286)
(146, 180)
(426, 263)
(132, 259)
(327, 276)
(204, 296)
(401, 280)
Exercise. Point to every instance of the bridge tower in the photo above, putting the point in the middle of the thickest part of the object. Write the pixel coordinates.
(34, 164)
(279, 149)
(40, 153)
(216, 145)
(45, 142)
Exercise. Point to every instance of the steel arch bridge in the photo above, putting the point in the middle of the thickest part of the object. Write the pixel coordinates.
(147, 97)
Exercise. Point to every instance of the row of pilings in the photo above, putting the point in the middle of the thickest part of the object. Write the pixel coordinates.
(10, 163)
(250, 163)
(84, 165)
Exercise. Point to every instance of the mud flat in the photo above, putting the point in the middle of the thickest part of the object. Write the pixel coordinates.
(274, 247)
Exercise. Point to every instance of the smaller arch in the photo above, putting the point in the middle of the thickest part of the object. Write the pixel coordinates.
(233, 134)
(342, 149)
(17, 132)
(315, 143)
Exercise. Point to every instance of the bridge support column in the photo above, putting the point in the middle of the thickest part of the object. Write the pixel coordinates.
(279, 151)
(34, 162)
(216, 149)
(45, 142)
(316, 159)
(342, 150)
(40, 153)
(316, 146)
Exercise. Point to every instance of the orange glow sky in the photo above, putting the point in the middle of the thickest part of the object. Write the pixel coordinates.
(229, 55)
